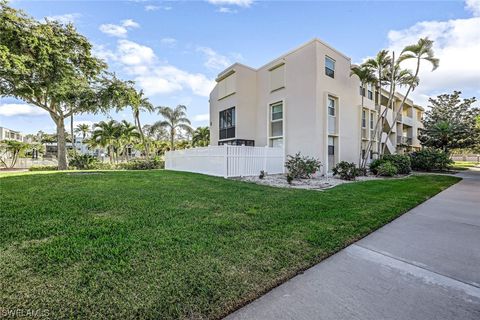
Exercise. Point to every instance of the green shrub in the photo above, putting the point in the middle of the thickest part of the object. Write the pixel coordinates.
(346, 170)
(430, 159)
(301, 167)
(375, 164)
(82, 161)
(102, 166)
(387, 169)
(401, 161)
(142, 164)
(42, 168)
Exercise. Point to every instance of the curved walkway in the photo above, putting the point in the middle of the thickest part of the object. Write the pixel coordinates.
(424, 265)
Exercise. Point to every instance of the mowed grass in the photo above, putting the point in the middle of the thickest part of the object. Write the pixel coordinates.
(464, 165)
(171, 245)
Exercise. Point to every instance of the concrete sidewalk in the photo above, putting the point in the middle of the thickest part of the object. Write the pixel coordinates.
(424, 265)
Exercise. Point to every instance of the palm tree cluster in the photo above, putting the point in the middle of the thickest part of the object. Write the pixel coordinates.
(174, 131)
(386, 74)
(116, 137)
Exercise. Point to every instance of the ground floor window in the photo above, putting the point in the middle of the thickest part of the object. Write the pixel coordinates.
(276, 124)
(331, 152)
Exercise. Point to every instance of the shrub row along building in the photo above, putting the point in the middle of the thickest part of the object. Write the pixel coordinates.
(306, 101)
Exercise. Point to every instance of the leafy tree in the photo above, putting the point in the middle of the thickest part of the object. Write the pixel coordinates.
(451, 123)
(51, 66)
(174, 121)
(201, 137)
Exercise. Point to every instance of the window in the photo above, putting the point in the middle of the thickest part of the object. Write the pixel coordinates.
(331, 107)
(329, 67)
(276, 124)
(371, 120)
(370, 92)
(227, 123)
(277, 77)
(364, 119)
(362, 91)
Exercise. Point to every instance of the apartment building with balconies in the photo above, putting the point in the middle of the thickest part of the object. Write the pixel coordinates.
(306, 101)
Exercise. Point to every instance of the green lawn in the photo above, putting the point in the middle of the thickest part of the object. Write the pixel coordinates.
(171, 245)
(464, 165)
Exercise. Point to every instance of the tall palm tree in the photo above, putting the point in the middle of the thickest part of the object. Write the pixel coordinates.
(174, 121)
(366, 76)
(422, 50)
(82, 129)
(105, 134)
(201, 137)
(141, 104)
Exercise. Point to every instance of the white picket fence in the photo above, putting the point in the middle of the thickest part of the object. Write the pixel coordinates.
(226, 161)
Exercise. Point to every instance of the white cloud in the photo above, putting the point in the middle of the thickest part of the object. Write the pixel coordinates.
(132, 53)
(151, 7)
(154, 8)
(65, 18)
(240, 3)
(201, 117)
(153, 75)
(226, 10)
(129, 23)
(473, 6)
(214, 60)
(169, 42)
(119, 31)
(113, 30)
(20, 109)
(457, 45)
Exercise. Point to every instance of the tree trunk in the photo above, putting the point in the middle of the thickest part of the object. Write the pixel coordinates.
(61, 144)
(172, 139)
(73, 137)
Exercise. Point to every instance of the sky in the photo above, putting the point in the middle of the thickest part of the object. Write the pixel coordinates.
(175, 49)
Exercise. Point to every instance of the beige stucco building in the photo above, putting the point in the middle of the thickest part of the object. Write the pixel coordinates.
(306, 101)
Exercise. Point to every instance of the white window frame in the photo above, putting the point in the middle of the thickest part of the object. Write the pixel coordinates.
(270, 121)
(325, 62)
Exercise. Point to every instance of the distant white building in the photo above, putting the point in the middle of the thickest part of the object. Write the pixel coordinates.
(9, 134)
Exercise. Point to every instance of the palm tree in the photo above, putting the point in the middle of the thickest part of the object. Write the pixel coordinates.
(105, 134)
(422, 50)
(83, 129)
(366, 76)
(201, 137)
(128, 136)
(175, 120)
(141, 104)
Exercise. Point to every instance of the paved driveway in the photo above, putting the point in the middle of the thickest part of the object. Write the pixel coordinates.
(424, 265)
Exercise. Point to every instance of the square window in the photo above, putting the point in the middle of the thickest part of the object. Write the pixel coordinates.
(276, 143)
(277, 129)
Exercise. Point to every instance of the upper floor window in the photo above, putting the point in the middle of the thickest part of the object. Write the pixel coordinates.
(364, 119)
(362, 91)
(331, 107)
(372, 120)
(329, 67)
(369, 92)
(277, 77)
(227, 123)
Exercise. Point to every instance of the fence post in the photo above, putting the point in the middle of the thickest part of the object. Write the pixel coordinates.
(225, 160)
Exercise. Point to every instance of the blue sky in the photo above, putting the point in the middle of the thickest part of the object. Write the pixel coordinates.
(175, 49)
